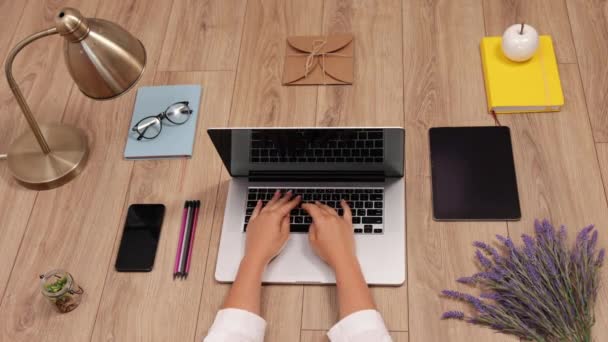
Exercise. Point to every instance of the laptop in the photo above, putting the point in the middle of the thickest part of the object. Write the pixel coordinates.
(363, 166)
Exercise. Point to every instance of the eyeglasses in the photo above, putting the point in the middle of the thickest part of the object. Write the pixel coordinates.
(151, 126)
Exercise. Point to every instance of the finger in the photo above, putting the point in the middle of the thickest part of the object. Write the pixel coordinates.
(313, 210)
(348, 215)
(256, 210)
(286, 208)
(329, 210)
(274, 199)
(285, 198)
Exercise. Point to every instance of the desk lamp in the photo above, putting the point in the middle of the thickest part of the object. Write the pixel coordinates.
(105, 61)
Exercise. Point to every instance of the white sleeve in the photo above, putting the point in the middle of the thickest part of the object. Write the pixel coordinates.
(364, 325)
(236, 325)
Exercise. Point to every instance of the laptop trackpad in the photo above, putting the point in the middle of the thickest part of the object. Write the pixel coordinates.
(298, 263)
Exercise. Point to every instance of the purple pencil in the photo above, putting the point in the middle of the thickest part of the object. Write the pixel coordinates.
(197, 207)
(179, 242)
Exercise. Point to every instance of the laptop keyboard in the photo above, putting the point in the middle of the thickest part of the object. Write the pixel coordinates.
(333, 146)
(367, 206)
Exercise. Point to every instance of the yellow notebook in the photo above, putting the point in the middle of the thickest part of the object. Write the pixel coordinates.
(512, 87)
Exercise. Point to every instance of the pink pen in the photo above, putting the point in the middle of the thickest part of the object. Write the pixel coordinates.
(197, 206)
(179, 242)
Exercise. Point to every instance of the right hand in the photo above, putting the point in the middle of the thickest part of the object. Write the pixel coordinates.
(330, 235)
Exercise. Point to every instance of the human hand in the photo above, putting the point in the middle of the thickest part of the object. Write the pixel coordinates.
(268, 228)
(330, 235)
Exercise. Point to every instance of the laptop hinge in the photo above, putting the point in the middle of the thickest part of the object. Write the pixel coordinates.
(317, 177)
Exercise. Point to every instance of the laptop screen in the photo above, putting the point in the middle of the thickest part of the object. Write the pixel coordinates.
(311, 151)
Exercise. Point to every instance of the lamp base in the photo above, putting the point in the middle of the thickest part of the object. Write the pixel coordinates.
(37, 170)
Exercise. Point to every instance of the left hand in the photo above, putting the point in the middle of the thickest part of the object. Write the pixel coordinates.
(268, 228)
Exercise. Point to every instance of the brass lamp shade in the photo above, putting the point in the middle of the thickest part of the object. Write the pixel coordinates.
(105, 61)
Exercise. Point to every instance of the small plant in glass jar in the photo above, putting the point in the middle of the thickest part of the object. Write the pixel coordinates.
(59, 288)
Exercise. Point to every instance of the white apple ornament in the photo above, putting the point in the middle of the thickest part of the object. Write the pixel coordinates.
(520, 42)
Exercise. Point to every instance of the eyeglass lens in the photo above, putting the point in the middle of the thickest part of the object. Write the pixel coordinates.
(178, 113)
(149, 127)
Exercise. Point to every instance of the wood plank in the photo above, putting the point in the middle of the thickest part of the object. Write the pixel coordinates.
(374, 99)
(321, 336)
(213, 292)
(129, 308)
(10, 14)
(376, 96)
(259, 97)
(590, 34)
(260, 100)
(602, 154)
(559, 176)
(31, 70)
(203, 35)
(443, 86)
(547, 16)
(74, 227)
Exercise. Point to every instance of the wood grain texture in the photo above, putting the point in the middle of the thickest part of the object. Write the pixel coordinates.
(76, 225)
(10, 15)
(32, 72)
(18, 202)
(549, 17)
(321, 336)
(589, 22)
(558, 175)
(213, 292)
(443, 86)
(203, 35)
(260, 100)
(374, 99)
(376, 96)
(602, 153)
(409, 70)
(130, 307)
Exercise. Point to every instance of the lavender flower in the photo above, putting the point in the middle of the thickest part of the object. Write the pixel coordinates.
(506, 241)
(562, 233)
(467, 280)
(592, 242)
(490, 295)
(583, 235)
(540, 291)
(489, 250)
(530, 243)
(488, 275)
(453, 315)
(485, 262)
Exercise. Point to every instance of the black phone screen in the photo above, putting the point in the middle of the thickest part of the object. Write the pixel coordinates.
(140, 238)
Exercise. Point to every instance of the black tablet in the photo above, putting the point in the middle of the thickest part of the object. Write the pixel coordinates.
(473, 174)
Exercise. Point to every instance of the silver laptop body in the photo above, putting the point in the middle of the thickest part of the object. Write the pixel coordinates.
(362, 165)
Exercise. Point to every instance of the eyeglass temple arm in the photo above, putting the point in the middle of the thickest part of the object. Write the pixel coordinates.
(8, 69)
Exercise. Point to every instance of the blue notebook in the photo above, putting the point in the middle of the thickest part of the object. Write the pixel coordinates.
(174, 141)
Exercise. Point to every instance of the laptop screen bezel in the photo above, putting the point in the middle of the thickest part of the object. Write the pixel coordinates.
(397, 150)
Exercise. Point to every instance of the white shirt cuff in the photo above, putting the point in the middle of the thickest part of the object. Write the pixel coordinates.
(237, 325)
(360, 326)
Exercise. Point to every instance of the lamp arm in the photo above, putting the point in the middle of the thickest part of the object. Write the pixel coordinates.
(8, 68)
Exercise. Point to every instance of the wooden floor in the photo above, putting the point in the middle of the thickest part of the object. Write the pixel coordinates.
(417, 65)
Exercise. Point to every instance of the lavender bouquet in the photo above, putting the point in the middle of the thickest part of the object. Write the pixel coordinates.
(540, 291)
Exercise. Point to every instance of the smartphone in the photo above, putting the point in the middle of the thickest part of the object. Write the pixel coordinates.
(140, 238)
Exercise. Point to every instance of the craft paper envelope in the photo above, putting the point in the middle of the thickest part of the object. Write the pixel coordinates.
(319, 60)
